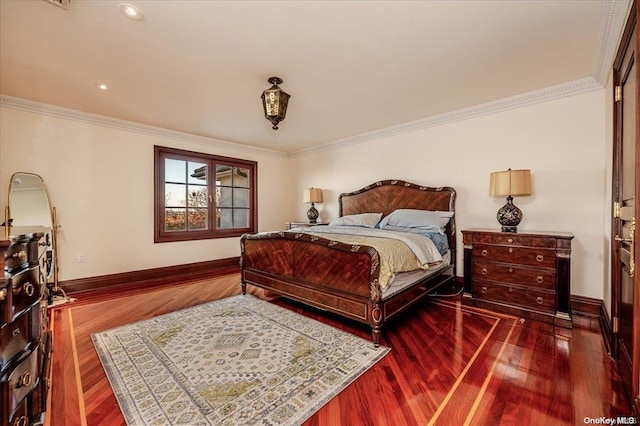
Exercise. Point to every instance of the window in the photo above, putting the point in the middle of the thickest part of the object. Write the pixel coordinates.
(200, 196)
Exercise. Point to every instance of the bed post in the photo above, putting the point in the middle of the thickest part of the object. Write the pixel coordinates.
(376, 323)
(376, 332)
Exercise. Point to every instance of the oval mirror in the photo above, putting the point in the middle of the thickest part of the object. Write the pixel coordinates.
(28, 202)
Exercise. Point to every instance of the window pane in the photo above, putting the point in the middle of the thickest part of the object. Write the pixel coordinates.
(175, 170)
(175, 195)
(223, 175)
(240, 177)
(225, 218)
(240, 197)
(240, 218)
(226, 196)
(197, 196)
(175, 219)
(197, 172)
(197, 219)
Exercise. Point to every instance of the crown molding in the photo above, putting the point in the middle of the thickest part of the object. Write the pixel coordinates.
(614, 16)
(543, 95)
(115, 123)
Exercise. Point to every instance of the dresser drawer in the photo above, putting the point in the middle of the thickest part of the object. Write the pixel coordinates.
(20, 415)
(29, 411)
(515, 240)
(544, 258)
(538, 278)
(25, 289)
(512, 295)
(21, 254)
(19, 380)
(15, 336)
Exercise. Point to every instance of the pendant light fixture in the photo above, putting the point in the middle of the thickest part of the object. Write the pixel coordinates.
(274, 102)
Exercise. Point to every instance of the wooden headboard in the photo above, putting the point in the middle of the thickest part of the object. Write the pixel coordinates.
(388, 195)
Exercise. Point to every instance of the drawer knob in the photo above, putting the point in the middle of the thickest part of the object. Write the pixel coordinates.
(510, 290)
(539, 258)
(539, 300)
(24, 380)
(21, 421)
(539, 279)
(484, 252)
(483, 289)
(510, 269)
(510, 250)
(484, 271)
(15, 332)
(22, 255)
(28, 289)
(510, 240)
(3, 294)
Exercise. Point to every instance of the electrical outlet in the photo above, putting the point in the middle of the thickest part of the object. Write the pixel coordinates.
(80, 258)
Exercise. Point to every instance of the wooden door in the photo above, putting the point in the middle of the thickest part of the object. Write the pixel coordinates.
(625, 277)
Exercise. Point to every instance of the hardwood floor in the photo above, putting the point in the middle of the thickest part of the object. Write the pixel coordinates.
(449, 364)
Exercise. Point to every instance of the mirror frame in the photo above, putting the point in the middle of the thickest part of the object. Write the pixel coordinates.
(53, 244)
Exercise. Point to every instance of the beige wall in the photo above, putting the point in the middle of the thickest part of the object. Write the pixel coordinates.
(100, 179)
(562, 141)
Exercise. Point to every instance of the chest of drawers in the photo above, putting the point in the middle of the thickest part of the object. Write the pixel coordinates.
(526, 274)
(25, 342)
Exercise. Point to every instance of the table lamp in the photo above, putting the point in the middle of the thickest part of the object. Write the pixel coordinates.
(312, 195)
(510, 183)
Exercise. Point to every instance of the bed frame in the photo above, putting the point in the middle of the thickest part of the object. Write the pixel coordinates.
(342, 278)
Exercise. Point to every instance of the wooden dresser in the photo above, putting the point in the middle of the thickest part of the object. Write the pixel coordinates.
(525, 273)
(25, 342)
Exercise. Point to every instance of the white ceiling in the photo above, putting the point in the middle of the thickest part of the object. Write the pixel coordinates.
(351, 67)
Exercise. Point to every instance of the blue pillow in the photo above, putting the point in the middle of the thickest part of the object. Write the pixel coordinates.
(424, 219)
(440, 240)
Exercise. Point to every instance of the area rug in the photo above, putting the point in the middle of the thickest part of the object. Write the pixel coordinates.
(235, 361)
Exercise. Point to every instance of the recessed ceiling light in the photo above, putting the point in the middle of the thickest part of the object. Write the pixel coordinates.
(130, 11)
(101, 86)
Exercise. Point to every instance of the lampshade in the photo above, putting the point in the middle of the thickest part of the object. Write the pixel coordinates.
(510, 182)
(312, 195)
(274, 102)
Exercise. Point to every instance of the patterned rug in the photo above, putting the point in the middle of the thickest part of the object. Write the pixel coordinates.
(235, 361)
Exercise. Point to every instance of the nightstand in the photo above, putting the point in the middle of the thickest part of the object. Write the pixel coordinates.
(525, 273)
(291, 225)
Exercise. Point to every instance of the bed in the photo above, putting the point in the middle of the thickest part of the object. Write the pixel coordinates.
(317, 268)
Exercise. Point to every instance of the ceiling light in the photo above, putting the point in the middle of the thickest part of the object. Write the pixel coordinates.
(274, 102)
(102, 86)
(130, 11)
(62, 3)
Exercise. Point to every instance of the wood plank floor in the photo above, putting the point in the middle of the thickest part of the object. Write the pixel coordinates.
(449, 364)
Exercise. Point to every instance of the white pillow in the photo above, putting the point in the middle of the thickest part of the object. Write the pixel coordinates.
(367, 220)
(422, 219)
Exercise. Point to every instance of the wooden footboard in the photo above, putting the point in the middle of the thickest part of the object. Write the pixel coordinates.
(329, 275)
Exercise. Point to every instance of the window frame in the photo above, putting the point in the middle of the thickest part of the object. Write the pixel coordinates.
(161, 235)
